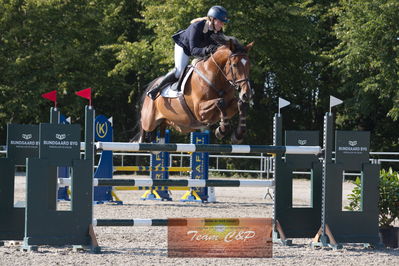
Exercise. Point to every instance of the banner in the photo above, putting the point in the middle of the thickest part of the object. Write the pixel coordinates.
(220, 237)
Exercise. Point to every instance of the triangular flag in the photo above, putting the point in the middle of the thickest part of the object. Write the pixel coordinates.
(52, 96)
(85, 93)
(334, 101)
(282, 103)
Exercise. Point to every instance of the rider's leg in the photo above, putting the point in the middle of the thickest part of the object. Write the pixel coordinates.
(170, 77)
(181, 61)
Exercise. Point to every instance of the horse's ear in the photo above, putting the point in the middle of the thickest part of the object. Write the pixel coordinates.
(249, 46)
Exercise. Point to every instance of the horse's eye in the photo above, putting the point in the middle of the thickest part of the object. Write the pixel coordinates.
(234, 65)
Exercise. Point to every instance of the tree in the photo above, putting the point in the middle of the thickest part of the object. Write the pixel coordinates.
(53, 44)
(281, 58)
(367, 62)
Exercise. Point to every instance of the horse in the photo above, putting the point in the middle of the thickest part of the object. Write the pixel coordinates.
(209, 96)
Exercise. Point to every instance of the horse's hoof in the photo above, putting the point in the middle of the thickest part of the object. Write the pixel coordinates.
(218, 133)
(235, 140)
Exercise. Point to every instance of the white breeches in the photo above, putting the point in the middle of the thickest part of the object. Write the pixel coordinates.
(181, 60)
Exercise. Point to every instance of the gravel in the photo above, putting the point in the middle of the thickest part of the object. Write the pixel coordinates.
(148, 245)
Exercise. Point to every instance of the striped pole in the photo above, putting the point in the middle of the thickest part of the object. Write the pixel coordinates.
(151, 168)
(165, 222)
(186, 183)
(130, 222)
(183, 183)
(219, 148)
(151, 188)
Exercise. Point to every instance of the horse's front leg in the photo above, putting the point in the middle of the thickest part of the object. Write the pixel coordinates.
(224, 125)
(238, 136)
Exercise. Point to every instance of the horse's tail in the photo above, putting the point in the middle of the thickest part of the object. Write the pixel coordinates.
(138, 124)
(147, 88)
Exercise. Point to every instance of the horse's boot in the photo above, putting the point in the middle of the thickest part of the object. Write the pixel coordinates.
(168, 78)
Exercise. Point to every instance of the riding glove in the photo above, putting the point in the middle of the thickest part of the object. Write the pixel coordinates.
(211, 48)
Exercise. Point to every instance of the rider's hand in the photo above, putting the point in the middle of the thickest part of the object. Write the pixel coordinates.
(211, 48)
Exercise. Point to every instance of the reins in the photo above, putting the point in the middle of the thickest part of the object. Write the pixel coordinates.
(233, 82)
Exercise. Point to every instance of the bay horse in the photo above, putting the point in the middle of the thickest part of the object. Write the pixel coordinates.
(209, 96)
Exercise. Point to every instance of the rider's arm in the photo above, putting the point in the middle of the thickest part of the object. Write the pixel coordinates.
(195, 38)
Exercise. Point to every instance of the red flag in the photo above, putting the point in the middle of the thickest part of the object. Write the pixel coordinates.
(52, 96)
(86, 93)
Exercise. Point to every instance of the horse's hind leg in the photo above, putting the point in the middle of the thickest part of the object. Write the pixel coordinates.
(142, 137)
(148, 121)
(238, 135)
(146, 137)
(150, 136)
(162, 132)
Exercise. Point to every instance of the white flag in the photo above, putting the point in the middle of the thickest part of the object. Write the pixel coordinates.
(334, 101)
(68, 120)
(282, 103)
(111, 120)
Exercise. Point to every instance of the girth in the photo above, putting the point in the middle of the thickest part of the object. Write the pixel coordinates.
(194, 123)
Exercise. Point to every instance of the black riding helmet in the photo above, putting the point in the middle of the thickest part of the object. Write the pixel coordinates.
(219, 13)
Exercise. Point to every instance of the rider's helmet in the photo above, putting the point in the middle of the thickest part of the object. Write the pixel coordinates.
(219, 13)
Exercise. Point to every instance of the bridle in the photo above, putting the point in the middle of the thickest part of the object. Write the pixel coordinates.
(233, 82)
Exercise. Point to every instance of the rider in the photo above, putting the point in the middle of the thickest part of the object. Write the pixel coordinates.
(194, 41)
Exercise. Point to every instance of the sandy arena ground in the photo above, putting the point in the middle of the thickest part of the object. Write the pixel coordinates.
(148, 245)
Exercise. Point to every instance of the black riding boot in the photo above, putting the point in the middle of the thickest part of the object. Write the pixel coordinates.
(168, 78)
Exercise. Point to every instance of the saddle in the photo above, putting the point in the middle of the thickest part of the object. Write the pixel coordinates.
(174, 90)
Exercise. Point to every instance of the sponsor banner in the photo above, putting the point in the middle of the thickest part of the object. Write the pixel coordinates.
(220, 237)
(22, 142)
(59, 142)
(352, 148)
(103, 129)
(199, 163)
(301, 138)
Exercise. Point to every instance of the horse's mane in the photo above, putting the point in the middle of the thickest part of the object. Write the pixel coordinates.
(222, 39)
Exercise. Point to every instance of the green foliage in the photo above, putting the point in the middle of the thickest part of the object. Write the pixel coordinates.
(355, 197)
(367, 62)
(304, 51)
(282, 58)
(47, 45)
(388, 197)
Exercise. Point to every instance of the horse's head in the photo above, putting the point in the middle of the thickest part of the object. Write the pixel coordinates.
(237, 66)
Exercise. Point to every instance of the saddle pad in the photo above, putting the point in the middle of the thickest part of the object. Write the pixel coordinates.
(170, 91)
